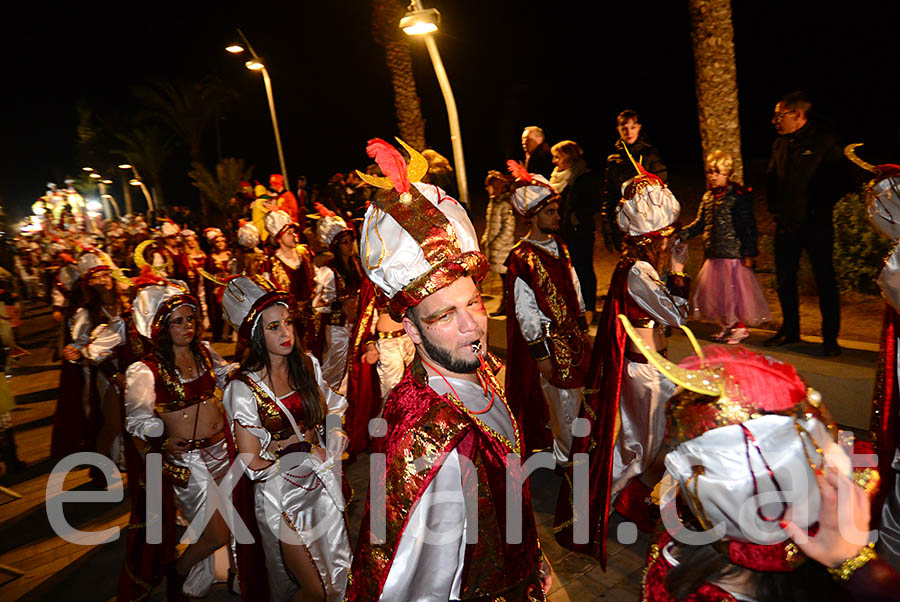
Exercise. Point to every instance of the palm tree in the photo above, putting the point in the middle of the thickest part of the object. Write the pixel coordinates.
(147, 147)
(187, 109)
(221, 187)
(386, 15)
(712, 35)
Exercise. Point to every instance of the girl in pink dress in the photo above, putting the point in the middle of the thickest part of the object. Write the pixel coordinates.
(727, 290)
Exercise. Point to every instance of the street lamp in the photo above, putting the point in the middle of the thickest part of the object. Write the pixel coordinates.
(422, 22)
(137, 181)
(256, 64)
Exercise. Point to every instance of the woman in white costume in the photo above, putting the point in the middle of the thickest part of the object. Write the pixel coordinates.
(172, 405)
(278, 405)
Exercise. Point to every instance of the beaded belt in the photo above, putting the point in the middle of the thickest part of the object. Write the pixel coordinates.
(391, 335)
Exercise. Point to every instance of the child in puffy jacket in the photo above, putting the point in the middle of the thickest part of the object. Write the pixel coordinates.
(726, 289)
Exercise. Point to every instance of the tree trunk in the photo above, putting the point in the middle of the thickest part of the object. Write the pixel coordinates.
(386, 15)
(712, 35)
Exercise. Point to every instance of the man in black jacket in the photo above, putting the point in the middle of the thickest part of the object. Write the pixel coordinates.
(537, 151)
(804, 181)
(619, 170)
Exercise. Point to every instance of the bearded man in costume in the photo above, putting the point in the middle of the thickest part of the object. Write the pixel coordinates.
(548, 343)
(627, 408)
(450, 436)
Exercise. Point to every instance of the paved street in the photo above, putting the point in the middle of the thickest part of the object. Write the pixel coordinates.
(55, 569)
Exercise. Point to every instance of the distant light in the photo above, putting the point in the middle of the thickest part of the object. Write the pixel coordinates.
(94, 206)
(419, 22)
(124, 165)
(87, 169)
(105, 196)
(134, 182)
(39, 210)
(253, 65)
(235, 49)
(96, 176)
(106, 181)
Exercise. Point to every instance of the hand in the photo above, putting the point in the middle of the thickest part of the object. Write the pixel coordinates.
(57, 315)
(748, 262)
(336, 442)
(370, 355)
(679, 256)
(545, 367)
(846, 510)
(71, 353)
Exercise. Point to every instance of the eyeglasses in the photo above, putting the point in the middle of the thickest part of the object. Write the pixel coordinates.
(780, 116)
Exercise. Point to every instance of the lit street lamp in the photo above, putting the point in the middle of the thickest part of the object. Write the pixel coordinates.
(137, 181)
(256, 64)
(421, 22)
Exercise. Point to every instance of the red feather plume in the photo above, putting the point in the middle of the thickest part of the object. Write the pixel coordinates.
(147, 277)
(323, 210)
(772, 386)
(391, 163)
(518, 171)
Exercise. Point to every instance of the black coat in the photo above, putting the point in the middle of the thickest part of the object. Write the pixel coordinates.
(806, 177)
(540, 161)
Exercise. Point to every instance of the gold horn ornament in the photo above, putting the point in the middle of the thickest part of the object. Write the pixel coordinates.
(704, 382)
(140, 261)
(850, 153)
(210, 277)
(116, 271)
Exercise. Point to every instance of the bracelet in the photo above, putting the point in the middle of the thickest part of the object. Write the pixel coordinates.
(681, 274)
(851, 565)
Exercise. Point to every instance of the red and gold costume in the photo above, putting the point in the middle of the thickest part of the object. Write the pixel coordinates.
(744, 429)
(424, 424)
(544, 296)
(450, 442)
(882, 196)
(154, 387)
(626, 406)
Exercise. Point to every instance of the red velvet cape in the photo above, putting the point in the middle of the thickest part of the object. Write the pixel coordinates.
(363, 390)
(601, 408)
(885, 425)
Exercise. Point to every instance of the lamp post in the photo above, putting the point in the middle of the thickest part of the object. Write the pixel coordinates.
(421, 22)
(137, 181)
(256, 64)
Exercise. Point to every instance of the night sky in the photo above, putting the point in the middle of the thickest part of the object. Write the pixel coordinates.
(568, 67)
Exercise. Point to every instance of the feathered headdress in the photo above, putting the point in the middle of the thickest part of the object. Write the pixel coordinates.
(531, 192)
(415, 239)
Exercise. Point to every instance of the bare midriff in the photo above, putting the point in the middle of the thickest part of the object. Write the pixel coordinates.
(208, 417)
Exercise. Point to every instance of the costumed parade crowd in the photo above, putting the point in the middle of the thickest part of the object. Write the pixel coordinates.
(360, 329)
